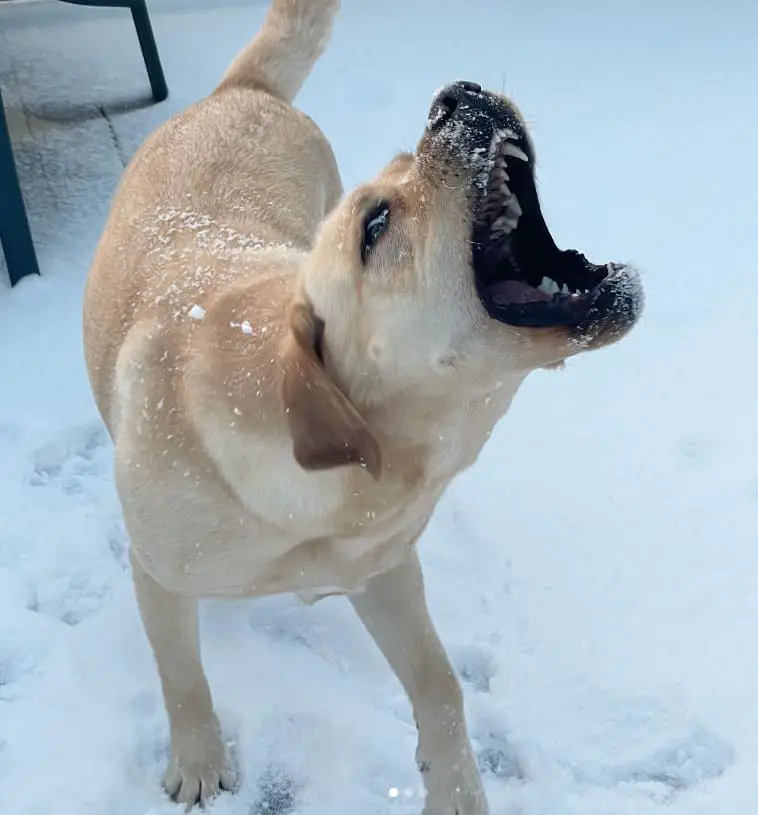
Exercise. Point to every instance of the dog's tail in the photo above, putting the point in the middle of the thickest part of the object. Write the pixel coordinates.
(279, 59)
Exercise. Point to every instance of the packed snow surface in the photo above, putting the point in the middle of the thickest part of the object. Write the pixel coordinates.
(594, 576)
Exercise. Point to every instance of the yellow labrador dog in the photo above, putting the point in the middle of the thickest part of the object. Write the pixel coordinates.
(292, 377)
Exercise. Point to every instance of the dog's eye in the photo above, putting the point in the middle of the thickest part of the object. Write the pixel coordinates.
(374, 226)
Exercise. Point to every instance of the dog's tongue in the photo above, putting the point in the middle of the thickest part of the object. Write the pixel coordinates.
(514, 292)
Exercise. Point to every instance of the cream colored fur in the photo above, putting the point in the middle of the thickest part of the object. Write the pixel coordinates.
(284, 420)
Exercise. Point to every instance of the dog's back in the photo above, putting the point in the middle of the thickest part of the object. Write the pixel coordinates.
(208, 193)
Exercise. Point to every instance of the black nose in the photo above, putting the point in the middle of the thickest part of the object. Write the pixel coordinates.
(448, 101)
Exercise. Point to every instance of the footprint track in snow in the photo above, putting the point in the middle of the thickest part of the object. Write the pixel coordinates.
(71, 459)
(475, 665)
(666, 771)
(278, 793)
(80, 534)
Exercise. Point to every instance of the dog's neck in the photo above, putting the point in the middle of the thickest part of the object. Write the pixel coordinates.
(411, 417)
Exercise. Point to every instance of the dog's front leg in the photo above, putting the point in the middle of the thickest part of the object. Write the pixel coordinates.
(199, 766)
(393, 609)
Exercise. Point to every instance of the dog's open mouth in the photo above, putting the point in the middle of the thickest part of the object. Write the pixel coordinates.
(522, 277)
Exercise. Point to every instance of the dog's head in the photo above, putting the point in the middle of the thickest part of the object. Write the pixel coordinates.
(440, 278)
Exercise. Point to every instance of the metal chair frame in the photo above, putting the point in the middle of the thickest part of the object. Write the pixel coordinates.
(15, 234)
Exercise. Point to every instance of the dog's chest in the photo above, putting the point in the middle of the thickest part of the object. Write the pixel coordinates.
(376, 522)
(268, 526)
(346, 502)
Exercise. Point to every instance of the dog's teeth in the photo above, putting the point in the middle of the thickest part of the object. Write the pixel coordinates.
(493, 206)
(503, 224)
(515, 151)
(548, 285)
(609, 267)
(502, 136)
(514, 207)
(564, 289)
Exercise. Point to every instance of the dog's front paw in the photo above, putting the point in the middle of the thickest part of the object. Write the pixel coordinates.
(456, 798)
(199, 768)
(453, 788)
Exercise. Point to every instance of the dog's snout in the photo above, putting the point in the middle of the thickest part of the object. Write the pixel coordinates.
(449, 99)
(464, 118)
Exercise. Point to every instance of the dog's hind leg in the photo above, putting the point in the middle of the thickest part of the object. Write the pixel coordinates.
(393, 609)
(199, 766)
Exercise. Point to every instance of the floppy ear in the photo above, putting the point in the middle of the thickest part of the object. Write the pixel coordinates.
(327, 431)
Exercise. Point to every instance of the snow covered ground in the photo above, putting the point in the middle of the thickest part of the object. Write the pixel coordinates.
(595, 576)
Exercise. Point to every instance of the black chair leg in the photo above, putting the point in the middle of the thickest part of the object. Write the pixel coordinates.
(144, 35)
(149, 49)
(15, 234)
